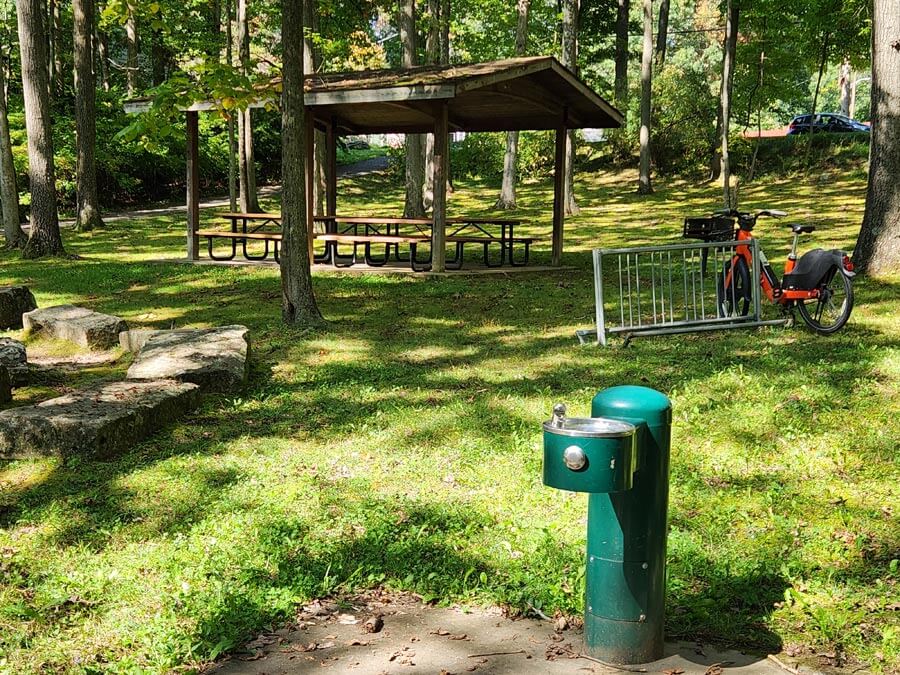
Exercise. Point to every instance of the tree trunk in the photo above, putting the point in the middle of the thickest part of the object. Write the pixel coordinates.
(507, 198)
(432, 56)
(311, 62)
(132, 73)
(877, 249)
(246, 162)
(415, 157)
(159, 59)
(815, 103)
(55, 61)
(44, 238)
(298, 302)
(644, 185)
(101, 41)
(621, 82)
(662, 34)
(87, 216)
(732, 16)
(570, 61)
(845, 83)
(9, 191)
(232, 141)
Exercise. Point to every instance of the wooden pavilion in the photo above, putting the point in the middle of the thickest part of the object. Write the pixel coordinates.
(521, 94)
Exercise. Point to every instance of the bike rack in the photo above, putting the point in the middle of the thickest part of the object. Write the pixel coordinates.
(666, 290)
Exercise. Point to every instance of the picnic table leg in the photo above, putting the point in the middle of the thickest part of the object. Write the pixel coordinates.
(248, 256)
(342, 261)
(375, 262)
(423, 266)
(456, 262)
(213, 256)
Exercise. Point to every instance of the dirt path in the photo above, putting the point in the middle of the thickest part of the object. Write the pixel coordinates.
(416, 638)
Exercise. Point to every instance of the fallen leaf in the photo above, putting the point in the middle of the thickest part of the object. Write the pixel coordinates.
(373, 624)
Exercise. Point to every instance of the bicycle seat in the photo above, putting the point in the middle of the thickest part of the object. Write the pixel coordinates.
(797, 228)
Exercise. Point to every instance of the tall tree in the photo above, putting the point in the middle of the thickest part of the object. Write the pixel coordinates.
(87, 216)
(415, 154)
(732, 15)
(507, 198)
(845, 84)
(877, 249)
(9, 191)
(644, 186)
(312, 60)
(44, 238)
(621, 82)
(662, 34)
(132, 72)
(101, 44)
(232, 141)
(570, 60)
(246, 160)
(298, 302)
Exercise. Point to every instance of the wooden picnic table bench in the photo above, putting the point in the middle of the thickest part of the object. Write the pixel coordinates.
(366, 231)
(376, 226)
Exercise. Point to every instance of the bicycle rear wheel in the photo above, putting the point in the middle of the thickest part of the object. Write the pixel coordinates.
(733, 289)
(830, 311)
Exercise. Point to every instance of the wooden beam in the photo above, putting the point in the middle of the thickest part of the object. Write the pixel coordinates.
(193, 184)
(408, 93)
(559, 193)
(309, 129)
(439, 203)
(331, 168)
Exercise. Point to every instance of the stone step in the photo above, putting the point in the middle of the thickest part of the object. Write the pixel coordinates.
(15, 359)
(14, 302)
(100, 421)
(214, 358)
(76, 324)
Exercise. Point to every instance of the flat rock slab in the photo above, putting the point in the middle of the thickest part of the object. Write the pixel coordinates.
(216, 359)
(76, 324)
(15, 359)
(133, 340)
(14, 302)
(100, 421)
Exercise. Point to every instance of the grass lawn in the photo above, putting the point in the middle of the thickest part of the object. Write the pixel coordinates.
(401, 448)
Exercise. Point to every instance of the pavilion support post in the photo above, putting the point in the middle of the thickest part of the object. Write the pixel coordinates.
(559, 194)
(193, 184)
(441, 173)
(331, 169)
(309, 147)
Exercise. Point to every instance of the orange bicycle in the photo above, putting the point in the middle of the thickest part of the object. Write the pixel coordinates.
(818, 284)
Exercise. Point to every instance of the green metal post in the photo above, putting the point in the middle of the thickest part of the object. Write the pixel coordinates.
(626, 539)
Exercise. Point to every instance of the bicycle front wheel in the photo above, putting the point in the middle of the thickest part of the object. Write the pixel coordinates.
(830, 311)
(733, 289)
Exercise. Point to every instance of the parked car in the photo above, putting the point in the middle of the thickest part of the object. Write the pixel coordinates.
(828, 122)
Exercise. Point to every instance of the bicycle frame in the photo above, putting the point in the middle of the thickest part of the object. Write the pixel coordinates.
(768, 280)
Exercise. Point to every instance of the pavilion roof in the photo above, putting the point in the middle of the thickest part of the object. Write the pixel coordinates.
(526, 93)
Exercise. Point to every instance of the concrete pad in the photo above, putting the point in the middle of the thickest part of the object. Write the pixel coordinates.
(100, 421)
(417, 638)
(14, 357)
(216, 359)
(76, 324)
(14, 302)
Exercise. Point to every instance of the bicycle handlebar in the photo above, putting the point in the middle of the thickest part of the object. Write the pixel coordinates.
(734, 213)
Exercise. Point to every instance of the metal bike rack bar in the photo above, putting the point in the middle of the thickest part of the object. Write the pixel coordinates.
(666, 290)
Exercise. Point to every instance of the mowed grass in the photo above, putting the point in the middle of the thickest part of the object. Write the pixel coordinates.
(402, 448)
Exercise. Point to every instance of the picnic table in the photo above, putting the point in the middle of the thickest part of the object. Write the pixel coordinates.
(369, 231)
